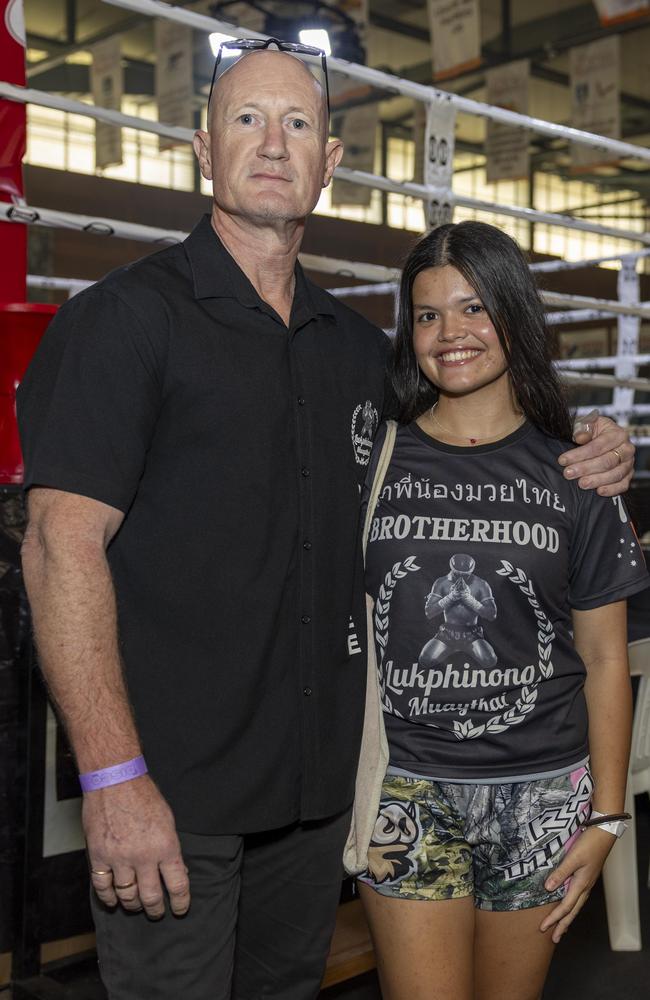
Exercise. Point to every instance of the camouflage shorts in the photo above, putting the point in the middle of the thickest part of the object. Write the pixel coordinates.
(442, 840)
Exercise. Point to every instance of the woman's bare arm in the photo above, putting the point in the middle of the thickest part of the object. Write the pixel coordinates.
(601, 639)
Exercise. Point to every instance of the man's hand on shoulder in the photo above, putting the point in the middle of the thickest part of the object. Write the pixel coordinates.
(133, 848)
(604, 460)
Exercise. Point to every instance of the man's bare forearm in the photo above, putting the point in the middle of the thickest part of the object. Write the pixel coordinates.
(73, 606)
(133, 847)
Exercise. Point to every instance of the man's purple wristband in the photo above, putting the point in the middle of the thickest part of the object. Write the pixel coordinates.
(92, 780)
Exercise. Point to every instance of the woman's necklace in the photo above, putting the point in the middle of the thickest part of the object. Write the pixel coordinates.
(473, 440)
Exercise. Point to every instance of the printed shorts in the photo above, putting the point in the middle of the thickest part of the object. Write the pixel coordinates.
(443, 840)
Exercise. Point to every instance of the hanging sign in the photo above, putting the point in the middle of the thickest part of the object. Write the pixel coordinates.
(174, 77)
(439, 162)
(595, 100)
(507, 148)
(357, 128)
(107, 85)
(418, 130)
(615, 11)
(455, 27)
(629, 329)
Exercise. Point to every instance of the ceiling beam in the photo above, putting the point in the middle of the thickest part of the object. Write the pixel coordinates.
(81, 45)
(71, 21)
(398, 27)
(74, 78)
(538, 40)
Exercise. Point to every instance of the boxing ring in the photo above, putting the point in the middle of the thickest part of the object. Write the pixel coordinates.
(436, 194)
(378, 280)
(618, 373)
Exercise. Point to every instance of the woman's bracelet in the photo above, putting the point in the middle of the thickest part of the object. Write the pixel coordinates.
(610, 822)
(115, 775)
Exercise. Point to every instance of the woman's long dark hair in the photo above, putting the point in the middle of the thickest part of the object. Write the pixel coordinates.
(492, 263)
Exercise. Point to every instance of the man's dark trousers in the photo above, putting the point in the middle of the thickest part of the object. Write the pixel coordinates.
(262, 914)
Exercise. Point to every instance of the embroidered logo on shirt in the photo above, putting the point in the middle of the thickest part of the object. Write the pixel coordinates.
(365, 420)
(353, 639)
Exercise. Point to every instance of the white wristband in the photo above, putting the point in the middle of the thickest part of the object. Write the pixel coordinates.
(616, 827)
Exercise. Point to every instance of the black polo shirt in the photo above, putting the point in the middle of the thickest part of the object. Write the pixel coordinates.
(236, 448)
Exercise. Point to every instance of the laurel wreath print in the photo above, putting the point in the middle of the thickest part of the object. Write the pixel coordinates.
(382, 608)
(361, 460)
(355, 414)
(527, 699)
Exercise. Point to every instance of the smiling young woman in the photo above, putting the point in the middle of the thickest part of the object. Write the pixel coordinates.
(458, 349)
(499, 591)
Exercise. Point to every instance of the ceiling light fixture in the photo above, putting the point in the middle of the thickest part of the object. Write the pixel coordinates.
(216, 38)
(317, 37)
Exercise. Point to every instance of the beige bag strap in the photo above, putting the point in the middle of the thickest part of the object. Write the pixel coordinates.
(378, 481)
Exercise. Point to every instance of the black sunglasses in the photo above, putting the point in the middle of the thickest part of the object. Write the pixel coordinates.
(250, 44)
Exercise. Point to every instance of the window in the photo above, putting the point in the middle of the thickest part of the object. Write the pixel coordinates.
(67, 142)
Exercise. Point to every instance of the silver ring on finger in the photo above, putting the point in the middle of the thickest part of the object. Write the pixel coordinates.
(124, 885)
(99, 871)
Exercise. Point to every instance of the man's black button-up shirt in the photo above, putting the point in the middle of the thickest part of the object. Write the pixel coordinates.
(236, 448)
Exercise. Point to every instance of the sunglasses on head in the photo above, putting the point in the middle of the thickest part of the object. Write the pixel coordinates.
(251, 44)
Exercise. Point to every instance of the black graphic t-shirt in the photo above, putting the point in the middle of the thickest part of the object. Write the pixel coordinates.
(475, 558)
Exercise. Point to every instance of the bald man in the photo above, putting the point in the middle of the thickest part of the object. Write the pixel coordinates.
(196, 429)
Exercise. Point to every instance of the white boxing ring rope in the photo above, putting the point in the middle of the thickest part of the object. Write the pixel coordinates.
(423, 192)
(544, 266)
(128, 230)
(383, 81)
(396, 85)
(384, 279)
(48, 282)
(150, 234)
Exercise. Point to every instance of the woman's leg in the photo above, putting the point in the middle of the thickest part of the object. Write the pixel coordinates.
(423, 947)
(418, 893)
(537, 822)
(511, 955)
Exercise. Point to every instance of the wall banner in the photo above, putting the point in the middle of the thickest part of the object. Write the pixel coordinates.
(507, 149)
(595, 102)
(174, 77)
(106, 84)
(455, 27)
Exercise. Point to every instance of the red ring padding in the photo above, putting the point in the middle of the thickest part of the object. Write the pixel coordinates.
(22, 325)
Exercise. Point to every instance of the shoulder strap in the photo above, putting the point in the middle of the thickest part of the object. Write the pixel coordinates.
(380, 475)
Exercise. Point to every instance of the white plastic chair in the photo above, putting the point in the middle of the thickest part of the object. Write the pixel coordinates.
(620, 872)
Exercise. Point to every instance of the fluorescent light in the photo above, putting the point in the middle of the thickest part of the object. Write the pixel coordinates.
(35, 55)
(317, 37)
(79, 59)
(215, 41)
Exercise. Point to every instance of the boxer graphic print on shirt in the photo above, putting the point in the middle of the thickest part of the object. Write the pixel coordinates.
(476, 557)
